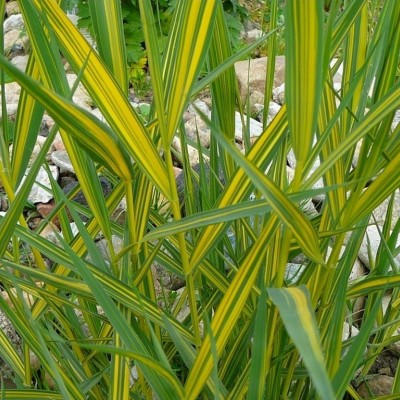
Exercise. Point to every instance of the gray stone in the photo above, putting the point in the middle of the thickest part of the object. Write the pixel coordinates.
(201, 105)
(38, 193)
(166, 279)
(14, 21)
(62, 160)
(103, 246)
(377, 385)
(293, 272)
(255, 97)
(251, 76)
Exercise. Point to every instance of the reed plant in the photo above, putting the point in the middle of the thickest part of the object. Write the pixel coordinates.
(95, 327)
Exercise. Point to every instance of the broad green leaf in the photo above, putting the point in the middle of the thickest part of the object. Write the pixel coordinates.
(108, 96)
(28, 394)
(373, 284)
(188, 41)
(52, 73)
(258, 363)
(92, 134)
(10, 356)
(304, 74)
(106, 17)
(296, 312)
(27, 125)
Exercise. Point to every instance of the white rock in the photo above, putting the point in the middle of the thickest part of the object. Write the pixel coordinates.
(80, 97)
(201, 105)
(251, 75)
(293, 272)
(358, 270)
(337, 78)
(371, 243)
(58, 143)
(74, 228)
(306, 206)
(291, 159)
(396, 119)
(20, 62)
(12, 7)
(12, 110)
(14, 21)
(194, 156)
(12, 91)
(48, 121)
(196, 127)
(61, 159)
(40, 140)
(349, 331)
(278, 94)
(38, 193)
(50, 232)
(254, 34)
(119, 214)
(15, 40)
(256, 127)
(273, 110)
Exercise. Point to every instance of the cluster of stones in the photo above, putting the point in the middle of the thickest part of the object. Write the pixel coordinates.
(251, 78)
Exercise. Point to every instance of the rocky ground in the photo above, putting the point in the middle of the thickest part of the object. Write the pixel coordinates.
(251, 79)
